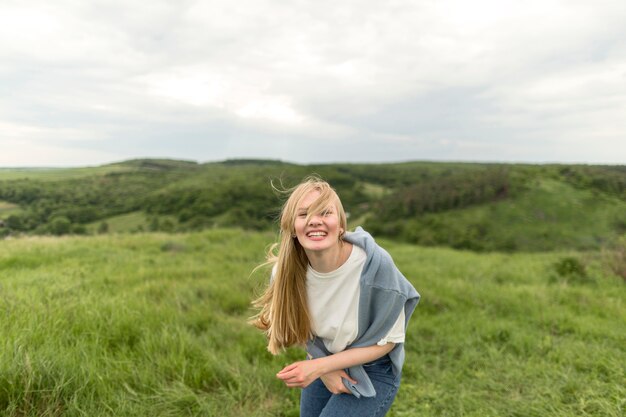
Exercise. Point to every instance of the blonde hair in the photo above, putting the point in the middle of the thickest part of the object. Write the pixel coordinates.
(284, 313)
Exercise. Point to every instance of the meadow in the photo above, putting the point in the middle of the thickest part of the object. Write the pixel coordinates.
(154, 324)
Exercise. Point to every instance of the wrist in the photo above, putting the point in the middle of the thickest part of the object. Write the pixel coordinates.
(321, 367)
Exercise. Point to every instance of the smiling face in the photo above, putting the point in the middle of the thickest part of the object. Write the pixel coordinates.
(317, 232)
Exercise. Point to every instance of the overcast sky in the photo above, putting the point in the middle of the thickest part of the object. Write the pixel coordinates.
(91, 82)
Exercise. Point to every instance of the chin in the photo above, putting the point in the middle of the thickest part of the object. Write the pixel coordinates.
(318, 246)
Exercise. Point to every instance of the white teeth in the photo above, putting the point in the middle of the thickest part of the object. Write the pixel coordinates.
(316, 234)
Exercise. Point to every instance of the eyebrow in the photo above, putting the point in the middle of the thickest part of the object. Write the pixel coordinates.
(330, 207)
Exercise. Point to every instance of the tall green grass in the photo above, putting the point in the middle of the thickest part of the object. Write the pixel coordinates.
(155, 325)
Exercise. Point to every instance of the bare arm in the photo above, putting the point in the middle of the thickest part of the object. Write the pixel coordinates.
(301, 374)
(351, 357)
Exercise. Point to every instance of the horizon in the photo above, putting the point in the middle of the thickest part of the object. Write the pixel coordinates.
(252, 160)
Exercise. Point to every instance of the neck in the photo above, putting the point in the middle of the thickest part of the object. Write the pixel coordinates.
(331, 258)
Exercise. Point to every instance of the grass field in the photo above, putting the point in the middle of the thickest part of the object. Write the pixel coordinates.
(155, 325)
(55, 174)
(7, 209)
(128, 223)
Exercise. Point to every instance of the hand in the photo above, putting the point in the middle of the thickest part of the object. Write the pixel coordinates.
(299, 374)
(334, 384)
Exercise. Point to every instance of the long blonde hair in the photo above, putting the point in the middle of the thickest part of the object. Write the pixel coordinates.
(284, 313)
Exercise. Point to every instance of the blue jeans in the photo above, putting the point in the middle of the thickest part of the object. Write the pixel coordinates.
(317, 401)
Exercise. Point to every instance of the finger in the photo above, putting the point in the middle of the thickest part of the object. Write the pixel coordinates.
(345, 375)
(291, 376)
(345, 390)
(286, 376)
(288, 368)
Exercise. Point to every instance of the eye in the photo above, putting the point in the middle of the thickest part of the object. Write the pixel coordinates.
(327, 213)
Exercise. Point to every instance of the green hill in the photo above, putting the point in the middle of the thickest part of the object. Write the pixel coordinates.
(481, 207)
(550, 215)
(155, 325)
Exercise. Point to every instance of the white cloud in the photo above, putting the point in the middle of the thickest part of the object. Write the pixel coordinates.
(270, 108)
(26, 152)
(14, 132)
(198, 88)
(405, 78)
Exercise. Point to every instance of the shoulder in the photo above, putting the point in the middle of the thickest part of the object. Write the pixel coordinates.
(361, 238)
(380, 271)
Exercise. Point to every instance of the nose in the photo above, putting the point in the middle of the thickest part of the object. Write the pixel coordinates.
(315, 220)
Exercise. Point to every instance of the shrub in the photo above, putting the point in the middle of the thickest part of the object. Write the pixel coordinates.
(103, 227)
(60, 226)
(78, 229)
(14, 222)
(571, 269)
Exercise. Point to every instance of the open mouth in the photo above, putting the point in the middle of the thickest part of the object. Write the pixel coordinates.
(316, 234)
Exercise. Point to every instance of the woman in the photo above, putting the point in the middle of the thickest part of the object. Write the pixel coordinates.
(339, 294)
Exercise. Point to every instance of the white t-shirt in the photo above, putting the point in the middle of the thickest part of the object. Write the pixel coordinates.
(333, 299)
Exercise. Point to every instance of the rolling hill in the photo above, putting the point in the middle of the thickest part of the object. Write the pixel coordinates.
(481, 207)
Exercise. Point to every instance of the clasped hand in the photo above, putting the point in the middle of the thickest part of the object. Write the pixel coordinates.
(301, 374)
